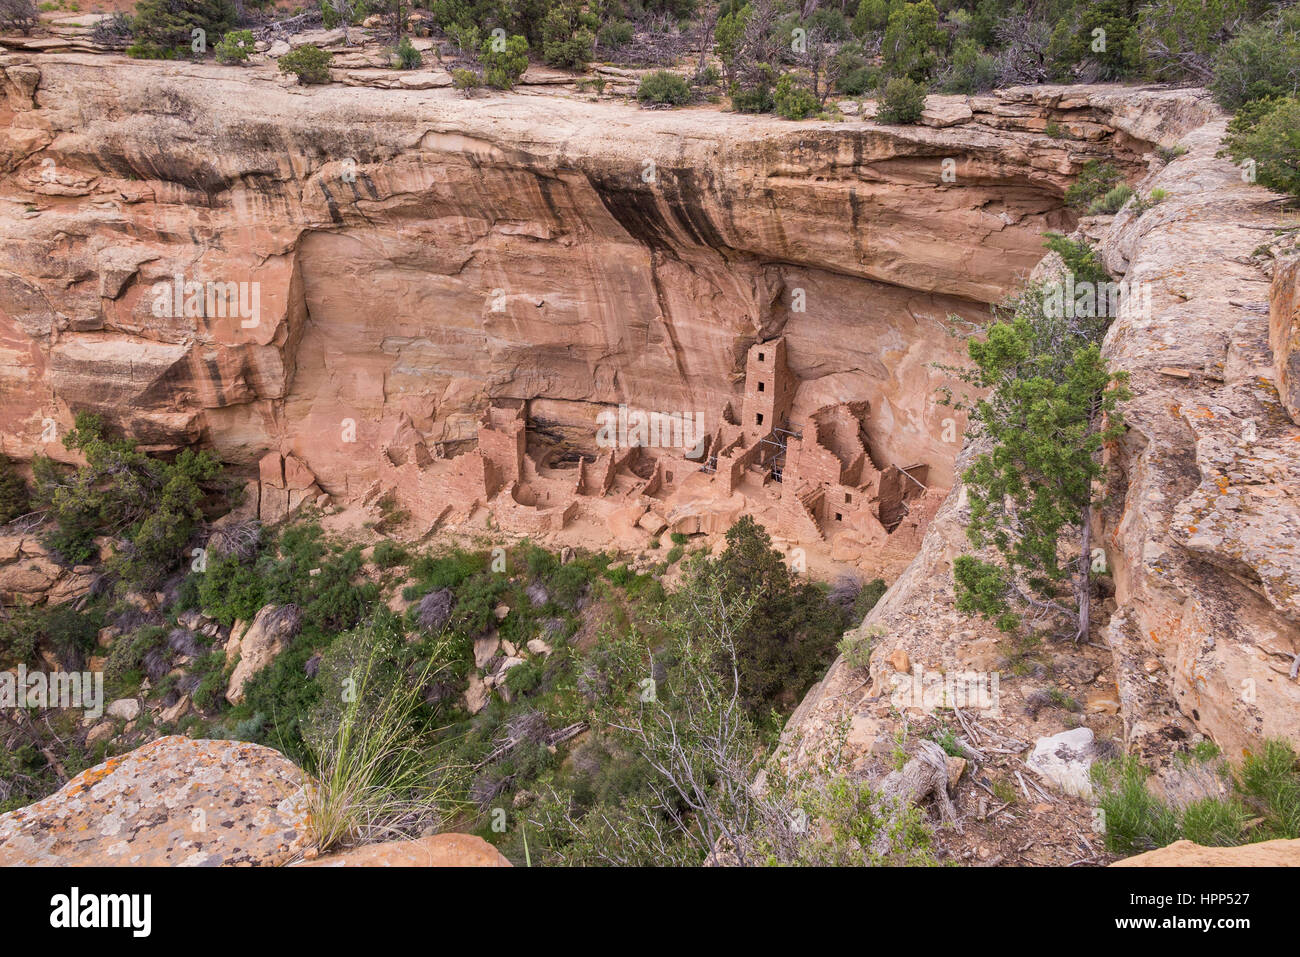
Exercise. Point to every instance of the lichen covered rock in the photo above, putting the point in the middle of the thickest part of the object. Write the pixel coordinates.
(174, 801)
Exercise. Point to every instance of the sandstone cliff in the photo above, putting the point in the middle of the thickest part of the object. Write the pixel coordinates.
(416, 254)
(1201, 527)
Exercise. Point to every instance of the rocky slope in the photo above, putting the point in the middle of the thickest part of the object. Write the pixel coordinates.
(417, 253)
(1200, 530)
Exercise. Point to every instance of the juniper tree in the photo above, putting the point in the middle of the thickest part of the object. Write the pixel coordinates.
(1050, 407)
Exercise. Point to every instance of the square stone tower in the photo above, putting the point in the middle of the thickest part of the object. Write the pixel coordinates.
(769, 390)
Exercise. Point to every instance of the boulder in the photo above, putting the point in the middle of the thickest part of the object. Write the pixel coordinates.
(1279, 853)
(174, 801)
(437, 850)
(484, 649)
(271, 631)
(124, 709)
(477, 694)
(1065, 760)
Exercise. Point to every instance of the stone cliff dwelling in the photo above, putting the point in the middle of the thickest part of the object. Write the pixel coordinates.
(810, 480)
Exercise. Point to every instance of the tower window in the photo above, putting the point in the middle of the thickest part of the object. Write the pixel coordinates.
(758, 419)
(760, 357)
(760, 387)
(839, 517)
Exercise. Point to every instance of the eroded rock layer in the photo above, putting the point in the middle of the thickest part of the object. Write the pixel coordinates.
(369, 258)
(1202, 521)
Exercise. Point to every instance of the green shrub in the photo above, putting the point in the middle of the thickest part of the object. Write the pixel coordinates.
(310, 64)
(234, 47)
(567, 40)
(752, 99)
(793, 100)
(408, 57)
(871, 17)
(153, 505)
(505, 66)
(1270, 781)
(1134, 819)
(467, 81)
(858, 80)
(901, 102)
(1261, 62)
(912, 41)
(971, 69)
(389, 555)
(164, 28)
(615, 33)
(1095, 180)
(1267, 133)
(1113, 201)
(867, 598)
(663, 86)
(1214, 822)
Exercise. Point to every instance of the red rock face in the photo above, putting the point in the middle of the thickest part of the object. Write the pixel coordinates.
(350, 260)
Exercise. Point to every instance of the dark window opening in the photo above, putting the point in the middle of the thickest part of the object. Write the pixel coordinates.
(839, 517)
(760, 387)
(758, 419)
(760, 357)
(848, 499)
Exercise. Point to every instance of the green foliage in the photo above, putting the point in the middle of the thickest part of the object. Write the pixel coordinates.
(785, 645)
(1096, 179)
(408, 57)
(1267, 132)
(567, 37)
(793, 100)
(614, 34)
(310, 64)
(1112, 201)
(164, 28)
(372, 752)
(1264, 803)
(1180, 38)
(467, 81)
(1134, 819)
(1270, 782)
(663, 86)
(503, 67)
(872, 16)
(913, 41)
(234, 47)
(152, 506)
(901, 102)
(867, 598)
(66, 633)
(971, 70)
(1051, 404)
(1101, 33)
(1078, 257)
(389, 554)
(1261, 62)
(14, 497)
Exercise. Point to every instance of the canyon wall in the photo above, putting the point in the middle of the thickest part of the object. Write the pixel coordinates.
(1202, 516)
(411, 255)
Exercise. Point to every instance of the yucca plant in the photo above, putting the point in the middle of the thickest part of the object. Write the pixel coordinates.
(377, 771)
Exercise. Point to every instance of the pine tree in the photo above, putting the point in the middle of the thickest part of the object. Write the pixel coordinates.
(1050, 409)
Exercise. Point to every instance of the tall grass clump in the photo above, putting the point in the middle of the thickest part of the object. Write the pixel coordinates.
(378, 774)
